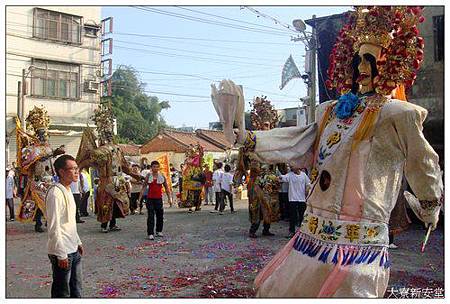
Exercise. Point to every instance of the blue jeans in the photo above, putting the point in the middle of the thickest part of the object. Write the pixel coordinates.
(67, 282)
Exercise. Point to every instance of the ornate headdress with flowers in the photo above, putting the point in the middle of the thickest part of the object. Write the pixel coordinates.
(262, 112)
(104, 119)
(38, 119)
(394, 29)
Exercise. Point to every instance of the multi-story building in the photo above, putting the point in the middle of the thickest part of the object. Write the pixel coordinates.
(55, 52)
(291, 117)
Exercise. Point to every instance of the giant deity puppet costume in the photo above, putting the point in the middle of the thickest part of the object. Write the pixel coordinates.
(262, 185)
(358, 152)
(193, 178)
(112, 201)
(34, 158)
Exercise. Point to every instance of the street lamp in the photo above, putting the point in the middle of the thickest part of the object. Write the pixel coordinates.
(310, 77)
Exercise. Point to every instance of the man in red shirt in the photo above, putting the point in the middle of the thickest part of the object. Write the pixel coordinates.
(209, 193)
(155, 181)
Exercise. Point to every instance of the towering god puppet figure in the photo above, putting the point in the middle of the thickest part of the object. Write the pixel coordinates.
(357, 153)
(34, 157)
(112, 200)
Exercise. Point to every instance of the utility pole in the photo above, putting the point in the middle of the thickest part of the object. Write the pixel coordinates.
(22, 99)
(310, 41)
(312, 82)
(19, 99)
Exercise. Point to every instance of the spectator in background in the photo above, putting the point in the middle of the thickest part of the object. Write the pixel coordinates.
(299, 184)
(85, 192)
(64, 245)
(76, 192)
(209, 193)
(283, 196)
(146, 170)
(217, 178)
(16, 174)
(180, 179)
(95, 182)
(136, 187)
(227, 188)
(10, 193)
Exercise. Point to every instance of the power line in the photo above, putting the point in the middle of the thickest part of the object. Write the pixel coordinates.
(196, 52)
(207, 21)
(201, 39)
(258, 13)
(14, 24)
(185, 95)
(196, 58)
(225, 18)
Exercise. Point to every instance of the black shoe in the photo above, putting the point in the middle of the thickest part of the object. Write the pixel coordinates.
(38, 229)
(267, 233)
(114, 228)
(12, 219)
(80, 221)
(252, 235)
(85, 214)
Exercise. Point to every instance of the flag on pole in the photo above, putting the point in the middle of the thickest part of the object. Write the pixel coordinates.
(290, 71)
(163, 161)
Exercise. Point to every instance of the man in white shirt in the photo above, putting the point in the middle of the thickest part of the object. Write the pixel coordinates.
(10, 193)
(64, 244)
(75, 189)
(85, 192)
(227, 187)
(217, 178)
(299, 184)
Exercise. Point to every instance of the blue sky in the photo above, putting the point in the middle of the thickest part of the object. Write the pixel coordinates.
(185, 65)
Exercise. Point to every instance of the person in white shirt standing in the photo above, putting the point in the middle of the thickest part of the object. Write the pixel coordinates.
(64, 244)
(227, 187)
(75, 187)
(10, 193)
(217, 178)
(86, 192)
(299, 184)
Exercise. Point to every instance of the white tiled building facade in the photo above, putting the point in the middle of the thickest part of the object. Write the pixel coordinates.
(59, 49)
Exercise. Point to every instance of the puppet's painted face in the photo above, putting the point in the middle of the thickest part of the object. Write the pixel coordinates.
(368, 54)
(41, 134)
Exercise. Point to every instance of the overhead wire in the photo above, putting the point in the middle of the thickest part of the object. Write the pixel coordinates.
(208, 21)
(201, 39)
(189, 51)
(195, 57)
(226, 18)
(259, 13)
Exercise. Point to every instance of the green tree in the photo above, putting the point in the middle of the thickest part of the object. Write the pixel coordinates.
(138, 114)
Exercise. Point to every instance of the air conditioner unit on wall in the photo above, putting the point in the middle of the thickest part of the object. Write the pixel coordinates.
(91, 86)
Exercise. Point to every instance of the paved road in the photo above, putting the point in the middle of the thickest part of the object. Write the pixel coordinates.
(201, 255)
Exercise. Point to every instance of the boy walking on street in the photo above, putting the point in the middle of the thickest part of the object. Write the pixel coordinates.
(64, 244)
(154, 182)
(227, 187)
(217, 178)
(299, 184)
